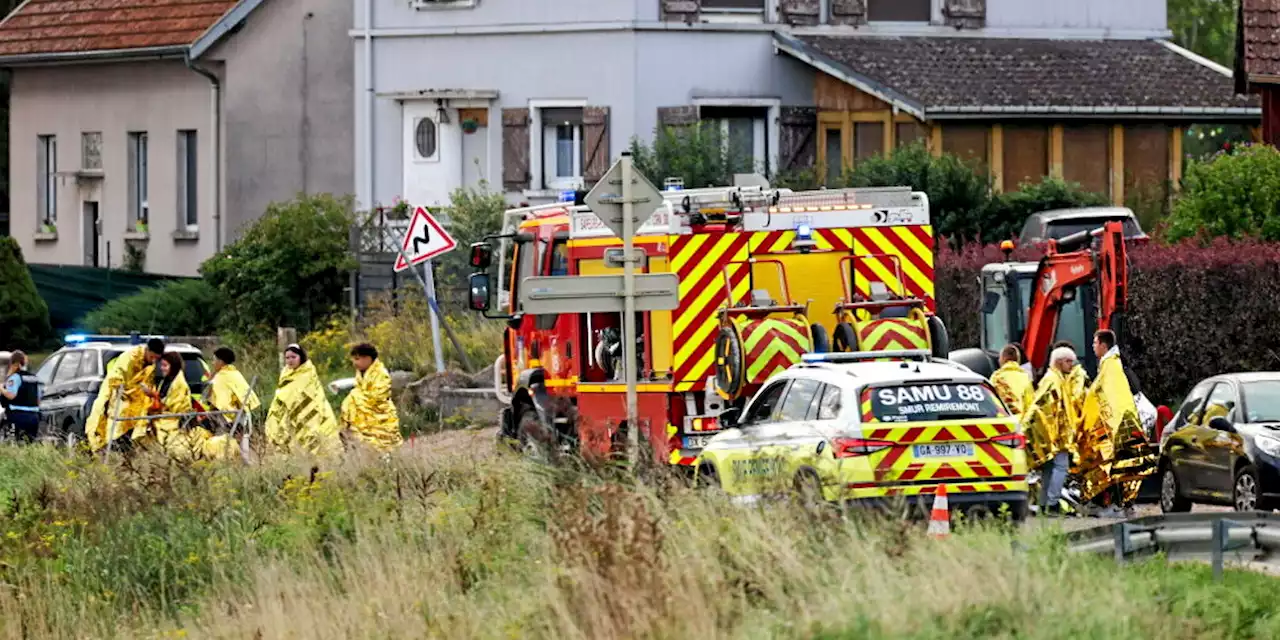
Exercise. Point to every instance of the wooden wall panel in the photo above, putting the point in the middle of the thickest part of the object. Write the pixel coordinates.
(868, 140)
(1026, 154)
(969, 141)
(1086, 156)
(832, 94)
(1146, 161)
(908, 133)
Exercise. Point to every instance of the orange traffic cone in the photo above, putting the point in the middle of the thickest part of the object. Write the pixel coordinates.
(940, 519)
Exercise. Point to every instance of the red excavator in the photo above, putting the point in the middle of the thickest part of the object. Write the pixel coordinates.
(1081, 285)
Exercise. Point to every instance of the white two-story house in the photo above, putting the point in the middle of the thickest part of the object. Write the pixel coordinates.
(540, 97)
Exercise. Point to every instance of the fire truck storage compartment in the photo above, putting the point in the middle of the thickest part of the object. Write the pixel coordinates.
(654, 328)
(602, 408)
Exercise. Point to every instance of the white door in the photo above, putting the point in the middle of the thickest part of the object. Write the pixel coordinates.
(432, 154)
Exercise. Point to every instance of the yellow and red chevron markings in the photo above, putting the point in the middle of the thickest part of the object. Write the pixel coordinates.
(892, 334)
(771, 345)
(914, 247)
(700, 261)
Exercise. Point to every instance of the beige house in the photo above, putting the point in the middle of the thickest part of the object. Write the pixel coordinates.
(156, 130)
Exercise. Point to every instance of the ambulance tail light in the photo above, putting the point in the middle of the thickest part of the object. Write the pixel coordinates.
(854, 447)
(1012, 440)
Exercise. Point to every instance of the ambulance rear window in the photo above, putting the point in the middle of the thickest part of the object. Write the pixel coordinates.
(933, 401)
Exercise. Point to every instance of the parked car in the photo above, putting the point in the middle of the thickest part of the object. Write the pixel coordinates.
(842, 427)
(72, 375)
(1223, 446)
(1060, 223)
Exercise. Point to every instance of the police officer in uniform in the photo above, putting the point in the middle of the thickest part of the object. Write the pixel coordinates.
(21, 396)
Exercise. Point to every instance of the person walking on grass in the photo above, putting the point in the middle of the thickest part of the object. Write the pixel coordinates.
(21, 395)
(368, 412)
(300, 420)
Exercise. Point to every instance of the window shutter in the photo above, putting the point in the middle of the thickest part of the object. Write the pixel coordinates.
(515, 149)
(965, 14)
(595, 133)
(678, 116)
(849, 11)
(798, 133)
(799, 12)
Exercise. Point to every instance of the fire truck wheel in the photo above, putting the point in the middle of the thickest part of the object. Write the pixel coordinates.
(821, 343)
(535, 438)
(846, 339)
(939, 338)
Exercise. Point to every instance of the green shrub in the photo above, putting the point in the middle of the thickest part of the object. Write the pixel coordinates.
(958, 192)
(1005, 214)
(289, 268)
(473, 214)
(181, 307)
(1235, 194)
(696, 154)
(24, 316)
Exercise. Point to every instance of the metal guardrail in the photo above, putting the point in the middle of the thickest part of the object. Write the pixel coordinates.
(1241, 538)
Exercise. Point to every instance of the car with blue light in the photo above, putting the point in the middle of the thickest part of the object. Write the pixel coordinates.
(873, 428)
(72, 375)
(1223, 445)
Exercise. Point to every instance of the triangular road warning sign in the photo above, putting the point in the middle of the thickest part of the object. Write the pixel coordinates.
(425, 240)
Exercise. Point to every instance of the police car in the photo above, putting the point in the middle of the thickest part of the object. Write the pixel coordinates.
(72, 375)
(874, 427)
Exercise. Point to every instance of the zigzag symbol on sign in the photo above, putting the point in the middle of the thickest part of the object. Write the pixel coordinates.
(424, 240)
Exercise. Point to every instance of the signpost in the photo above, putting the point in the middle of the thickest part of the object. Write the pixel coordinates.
(624, 200)
(425, 240)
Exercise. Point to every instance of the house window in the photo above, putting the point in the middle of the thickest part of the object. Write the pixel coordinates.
(899, 10)
(187, 181)
(744, 132)
(91, 151)
(47, 169)
(562, 148)
(426, 139)
(138, 176)
(732, 10)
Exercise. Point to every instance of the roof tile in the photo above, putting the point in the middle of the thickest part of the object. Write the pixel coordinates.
(1260, 30)
(71, 26)
(1022, 72)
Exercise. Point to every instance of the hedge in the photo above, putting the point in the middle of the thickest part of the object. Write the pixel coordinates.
(1194, 311)
(182, 307)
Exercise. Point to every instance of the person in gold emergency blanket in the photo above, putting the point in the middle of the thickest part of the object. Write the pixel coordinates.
(1050, 425)
(300, 419)
(227, 390)
(1012, 383)
(1114, 452)
(368, 412)
(127, 374)
(172, 396)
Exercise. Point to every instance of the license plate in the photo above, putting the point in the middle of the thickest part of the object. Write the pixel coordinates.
(696, 442)
(956, 450)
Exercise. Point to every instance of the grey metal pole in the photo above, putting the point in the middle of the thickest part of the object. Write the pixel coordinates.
(429, 286)
(629, 308)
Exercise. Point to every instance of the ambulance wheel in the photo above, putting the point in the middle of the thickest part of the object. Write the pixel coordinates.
(821, 343)
(730, 368)
(938, 337)
(845, 338)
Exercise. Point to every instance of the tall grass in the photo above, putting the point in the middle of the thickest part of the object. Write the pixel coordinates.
(466, 543)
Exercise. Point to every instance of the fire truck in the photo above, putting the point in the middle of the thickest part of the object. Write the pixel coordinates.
(765, 276)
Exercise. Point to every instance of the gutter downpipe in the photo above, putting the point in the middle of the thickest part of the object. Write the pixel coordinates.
(369, 105)
(217, 147)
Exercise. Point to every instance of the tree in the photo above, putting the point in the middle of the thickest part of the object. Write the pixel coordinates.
(1207, 27)
(289, 268)
(695, 153)
(1236, 195)
(24, 316)
(473, 214)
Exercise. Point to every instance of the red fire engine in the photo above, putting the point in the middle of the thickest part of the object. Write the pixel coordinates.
(766, 275)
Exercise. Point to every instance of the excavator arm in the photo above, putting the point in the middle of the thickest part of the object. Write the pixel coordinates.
(1102, 261)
